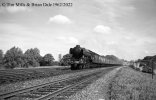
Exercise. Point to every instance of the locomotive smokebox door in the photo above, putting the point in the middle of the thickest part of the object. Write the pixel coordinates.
(77, 52)
(77, 57)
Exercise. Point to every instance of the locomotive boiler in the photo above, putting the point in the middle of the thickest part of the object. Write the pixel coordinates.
(83, 58)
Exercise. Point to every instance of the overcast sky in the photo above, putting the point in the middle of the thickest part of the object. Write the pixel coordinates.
(124, 28)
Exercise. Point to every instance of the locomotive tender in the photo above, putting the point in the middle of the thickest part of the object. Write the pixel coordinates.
(84, 58)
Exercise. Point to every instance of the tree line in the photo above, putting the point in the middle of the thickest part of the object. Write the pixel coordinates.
(15, 57)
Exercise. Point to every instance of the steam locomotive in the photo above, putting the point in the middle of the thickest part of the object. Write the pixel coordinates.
(83, 58)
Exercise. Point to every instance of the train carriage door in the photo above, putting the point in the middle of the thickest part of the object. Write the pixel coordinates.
(93, 58)
(96, 59)
(104, 60)
(99, 59)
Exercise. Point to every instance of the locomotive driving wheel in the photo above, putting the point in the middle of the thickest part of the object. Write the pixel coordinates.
(86, 66)
(74, 66)
(80, 66)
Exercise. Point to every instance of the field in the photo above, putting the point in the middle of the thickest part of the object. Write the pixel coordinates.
(15, 75)
(129, 84)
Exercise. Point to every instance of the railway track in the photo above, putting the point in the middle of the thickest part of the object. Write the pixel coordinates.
(60, 89)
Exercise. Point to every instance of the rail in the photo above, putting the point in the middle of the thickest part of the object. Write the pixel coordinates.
(68, 84)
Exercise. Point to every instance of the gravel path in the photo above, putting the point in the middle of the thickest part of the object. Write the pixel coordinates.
(99, 90)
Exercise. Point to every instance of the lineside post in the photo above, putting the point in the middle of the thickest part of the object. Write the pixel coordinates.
(152, 63)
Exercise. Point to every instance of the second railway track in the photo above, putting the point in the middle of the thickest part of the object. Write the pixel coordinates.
(60, 89)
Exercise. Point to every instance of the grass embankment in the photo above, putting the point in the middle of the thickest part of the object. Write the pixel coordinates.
(132, 85)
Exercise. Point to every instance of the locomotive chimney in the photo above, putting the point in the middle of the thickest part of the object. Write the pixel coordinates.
(78, 46)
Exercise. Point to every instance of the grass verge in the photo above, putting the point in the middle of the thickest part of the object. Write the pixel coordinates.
(129, 84)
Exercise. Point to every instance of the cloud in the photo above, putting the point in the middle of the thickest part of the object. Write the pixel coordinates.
(70, 40)
(17, 9)
(102, 29)
(113, 10)
(60, 19)
(147, 52)
(111, 42)
(1, 10)
(11, 28)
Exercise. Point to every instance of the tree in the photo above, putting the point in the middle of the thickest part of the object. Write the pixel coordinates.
(13, 58)
(112, 57)
(33, 57)
(47, 60)
(1, 58)
(65, 60)
(148, 58)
